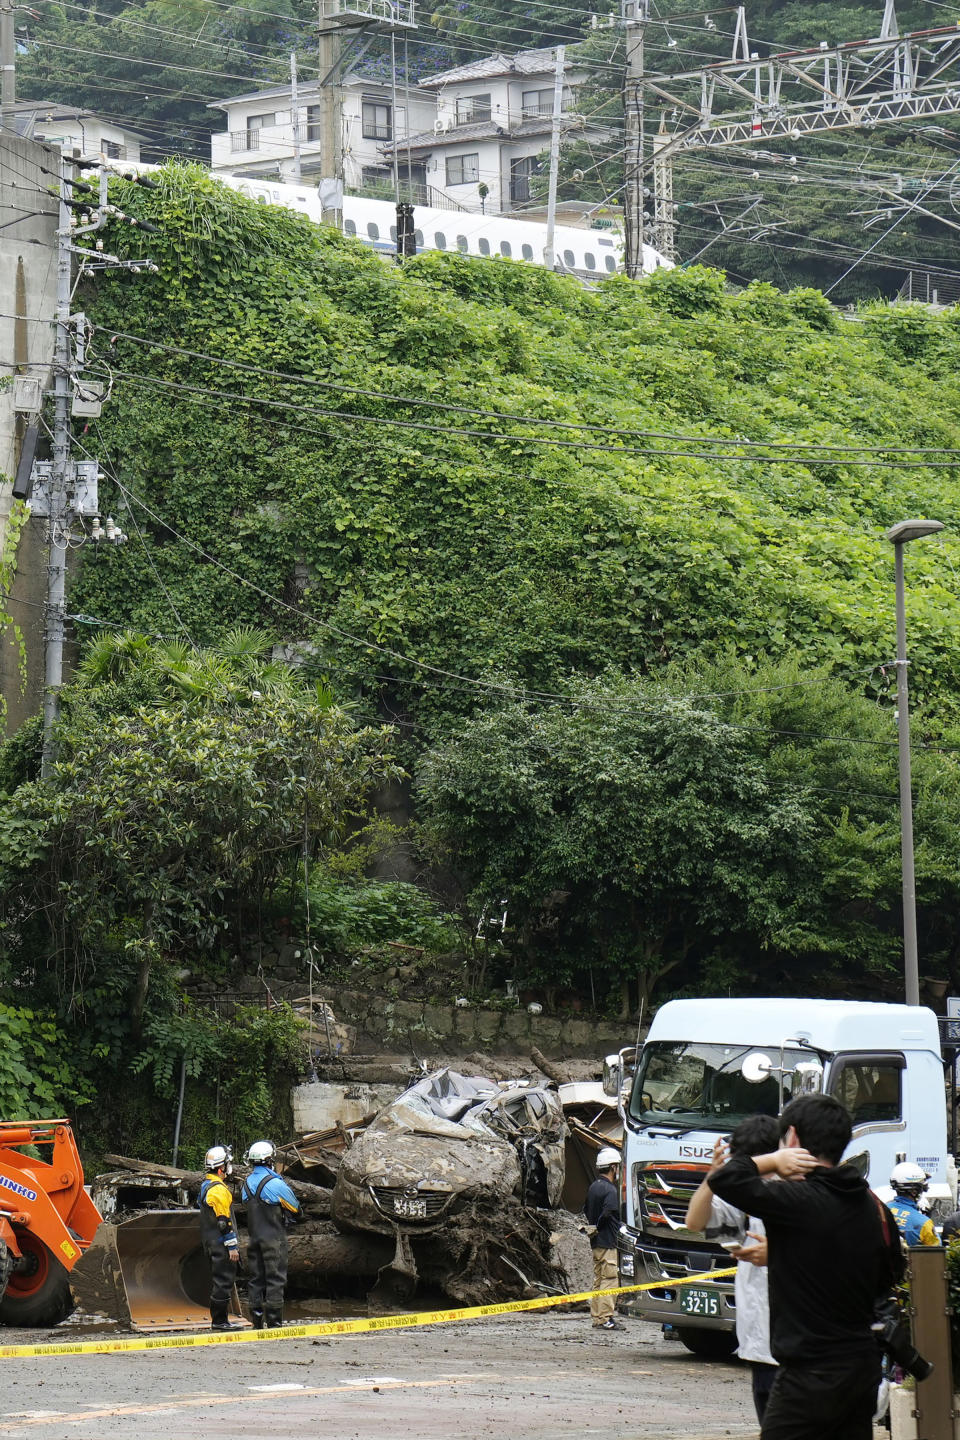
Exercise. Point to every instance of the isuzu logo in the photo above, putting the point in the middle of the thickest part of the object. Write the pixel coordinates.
(695, 1152)
(17, 1189)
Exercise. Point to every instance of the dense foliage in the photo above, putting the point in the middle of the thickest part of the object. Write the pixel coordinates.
(188, 788)
(282, 465)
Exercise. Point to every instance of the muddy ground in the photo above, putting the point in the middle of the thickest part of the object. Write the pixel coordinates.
(527, 1376)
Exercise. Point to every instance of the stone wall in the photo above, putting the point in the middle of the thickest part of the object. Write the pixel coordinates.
(376, 1021)
(439, 1028)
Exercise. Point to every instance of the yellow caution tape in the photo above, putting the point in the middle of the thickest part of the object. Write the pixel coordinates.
(340, 1327)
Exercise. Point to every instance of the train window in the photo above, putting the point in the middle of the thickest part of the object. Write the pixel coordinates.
(506, 249)
(610, 262)
(569, 259)
(373, 230)
(440, 240)
(393, 233)
(350, 227)
(526, 251)
(607, 243)
(462, 245)
(418, 239)
(483, 245)
(591, 260)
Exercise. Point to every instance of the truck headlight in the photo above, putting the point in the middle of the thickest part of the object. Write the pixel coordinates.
(626, 1266)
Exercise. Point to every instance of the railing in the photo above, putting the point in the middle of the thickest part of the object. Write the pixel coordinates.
(376, 132)
(926, 289)
(387, 12)
(414, 191)
(439, 200)
(244, 140)
(473, 114)
(520, 189)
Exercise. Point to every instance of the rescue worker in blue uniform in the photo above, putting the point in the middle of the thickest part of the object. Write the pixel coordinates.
(909, 1182)
(218, 1233)
(271, 1207)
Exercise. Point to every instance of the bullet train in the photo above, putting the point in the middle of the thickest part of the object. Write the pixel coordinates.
(588, 254)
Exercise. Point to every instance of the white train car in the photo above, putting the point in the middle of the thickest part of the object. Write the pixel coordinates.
(588, 254)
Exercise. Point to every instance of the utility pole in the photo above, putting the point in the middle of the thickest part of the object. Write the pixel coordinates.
(8, 64)
(58, 528)
(295, 116)
(554, 157)
(393, 118)
(331, 115)
(60, 489)
(635, 14)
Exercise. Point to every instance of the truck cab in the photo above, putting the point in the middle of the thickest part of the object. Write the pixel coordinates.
(708, 1064)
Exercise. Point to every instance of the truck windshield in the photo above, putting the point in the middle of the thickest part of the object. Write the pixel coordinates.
(700, 1086)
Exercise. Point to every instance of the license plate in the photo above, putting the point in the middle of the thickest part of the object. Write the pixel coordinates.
(700, 1302)
(409, 1209)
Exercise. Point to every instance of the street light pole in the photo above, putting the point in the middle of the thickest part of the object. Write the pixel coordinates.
(899, 536)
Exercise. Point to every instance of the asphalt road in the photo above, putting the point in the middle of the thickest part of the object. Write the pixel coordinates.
(526, 1376)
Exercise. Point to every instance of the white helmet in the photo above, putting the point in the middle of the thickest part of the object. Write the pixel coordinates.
(908, 1179)
(607, 1157)
(218, 1157)
(260, 1152)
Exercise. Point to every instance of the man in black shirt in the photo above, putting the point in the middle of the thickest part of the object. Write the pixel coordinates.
(833, 1250)
(602, 1209)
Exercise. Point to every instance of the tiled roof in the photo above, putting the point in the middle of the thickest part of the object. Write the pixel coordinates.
(27, 114)
(463, 134)
(525, 62)
(282, 92)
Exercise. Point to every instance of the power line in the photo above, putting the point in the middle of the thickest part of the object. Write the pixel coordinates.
(805, 458)
(485, 686)
(580, 425)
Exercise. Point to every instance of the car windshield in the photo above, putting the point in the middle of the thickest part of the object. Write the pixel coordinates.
(694, 1085)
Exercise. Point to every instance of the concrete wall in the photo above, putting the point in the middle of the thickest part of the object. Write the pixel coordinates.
(27, 291)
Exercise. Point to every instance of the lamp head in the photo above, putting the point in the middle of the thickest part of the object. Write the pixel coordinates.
(912, 530)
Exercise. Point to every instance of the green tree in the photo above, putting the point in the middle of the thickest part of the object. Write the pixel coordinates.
(186, 788)
(728, 834)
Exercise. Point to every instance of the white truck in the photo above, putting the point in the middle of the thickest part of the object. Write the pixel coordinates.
(704, 1067)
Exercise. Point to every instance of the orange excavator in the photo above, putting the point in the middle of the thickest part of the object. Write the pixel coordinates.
(47, 1220)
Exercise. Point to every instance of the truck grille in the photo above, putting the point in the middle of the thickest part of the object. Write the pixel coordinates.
(663, 1194)
(409, 1204)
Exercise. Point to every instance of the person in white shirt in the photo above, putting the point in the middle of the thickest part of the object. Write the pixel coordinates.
(720, 1221)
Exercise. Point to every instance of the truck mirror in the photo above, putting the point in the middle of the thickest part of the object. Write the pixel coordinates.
(860, 1163)
(755, 1067)
(611, 1075)
(808, 1077)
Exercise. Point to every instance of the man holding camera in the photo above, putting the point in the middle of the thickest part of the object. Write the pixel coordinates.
(833, 1251)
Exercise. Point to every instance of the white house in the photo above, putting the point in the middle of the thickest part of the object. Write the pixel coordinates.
(258, 140)
(492, 126)
(71, 128)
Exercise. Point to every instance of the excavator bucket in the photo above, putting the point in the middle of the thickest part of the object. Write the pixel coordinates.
(148, 1272)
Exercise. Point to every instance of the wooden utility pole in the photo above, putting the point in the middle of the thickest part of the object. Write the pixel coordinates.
(331, 114)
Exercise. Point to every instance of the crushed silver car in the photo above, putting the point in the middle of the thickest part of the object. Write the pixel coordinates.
(455, 1170)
